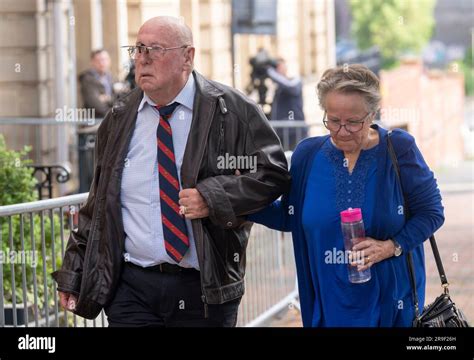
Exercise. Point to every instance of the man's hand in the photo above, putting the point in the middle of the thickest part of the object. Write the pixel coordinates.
(192, 204)
(67, 301)
(104, 98)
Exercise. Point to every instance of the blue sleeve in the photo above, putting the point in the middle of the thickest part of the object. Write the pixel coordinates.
(275, 216)
(422, 195)
(305, 280)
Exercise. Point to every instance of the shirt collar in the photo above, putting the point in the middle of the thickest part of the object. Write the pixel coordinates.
(185, 96)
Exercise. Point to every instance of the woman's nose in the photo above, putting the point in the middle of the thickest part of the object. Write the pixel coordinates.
(343, 131)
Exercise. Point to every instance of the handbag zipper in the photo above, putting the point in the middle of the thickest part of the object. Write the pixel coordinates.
(440, 311)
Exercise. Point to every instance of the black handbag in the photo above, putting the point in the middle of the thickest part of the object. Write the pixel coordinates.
(443, 311)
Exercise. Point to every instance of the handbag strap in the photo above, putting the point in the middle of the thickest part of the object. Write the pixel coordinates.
(434, 246)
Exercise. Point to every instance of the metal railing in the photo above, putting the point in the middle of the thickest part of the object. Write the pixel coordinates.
(40, 134)
(292, 132)
(36, 236)
(45, 173)
(270, 279)
(33, 132)
(33, 237)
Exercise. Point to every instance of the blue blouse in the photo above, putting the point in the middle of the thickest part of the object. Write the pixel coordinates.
(320, 189)
(331, 189)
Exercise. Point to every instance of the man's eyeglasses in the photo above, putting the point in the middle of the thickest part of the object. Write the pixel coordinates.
(351, 126)
(154, 52)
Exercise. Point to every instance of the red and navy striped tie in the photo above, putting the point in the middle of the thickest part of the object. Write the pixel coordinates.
(174, 226)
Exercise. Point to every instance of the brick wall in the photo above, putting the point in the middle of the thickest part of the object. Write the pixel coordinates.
(430, 105)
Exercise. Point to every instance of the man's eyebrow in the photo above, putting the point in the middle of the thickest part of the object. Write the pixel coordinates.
(139, 43)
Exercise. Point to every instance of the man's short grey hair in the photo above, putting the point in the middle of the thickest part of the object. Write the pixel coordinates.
(354, 78)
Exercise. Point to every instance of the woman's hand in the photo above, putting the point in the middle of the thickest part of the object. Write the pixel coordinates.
(370, 251)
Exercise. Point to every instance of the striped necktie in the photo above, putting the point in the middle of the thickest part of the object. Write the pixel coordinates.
(174, 226)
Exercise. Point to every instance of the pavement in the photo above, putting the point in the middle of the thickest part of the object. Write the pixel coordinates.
(455, 242)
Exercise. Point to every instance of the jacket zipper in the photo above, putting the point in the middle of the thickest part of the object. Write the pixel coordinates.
(221, 142)
(128, 139)
(203, 297)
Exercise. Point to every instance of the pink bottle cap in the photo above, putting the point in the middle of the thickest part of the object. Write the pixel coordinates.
(351, 215)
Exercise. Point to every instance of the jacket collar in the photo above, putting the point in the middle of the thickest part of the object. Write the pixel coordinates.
(205, 102)
(205, 87)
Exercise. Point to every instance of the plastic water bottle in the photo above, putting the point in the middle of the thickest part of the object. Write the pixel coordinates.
(353, 231)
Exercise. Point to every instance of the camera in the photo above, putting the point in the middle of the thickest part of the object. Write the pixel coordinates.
(260, 63)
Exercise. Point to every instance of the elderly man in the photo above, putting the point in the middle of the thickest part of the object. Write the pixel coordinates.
(159, 157)
(97, 84)
(97, 90)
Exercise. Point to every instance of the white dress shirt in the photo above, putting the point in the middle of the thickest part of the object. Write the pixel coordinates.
(140, 196)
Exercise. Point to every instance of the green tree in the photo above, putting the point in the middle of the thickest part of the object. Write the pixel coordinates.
(467, 68)
(17, 185)
(395, 26)
(16, 179)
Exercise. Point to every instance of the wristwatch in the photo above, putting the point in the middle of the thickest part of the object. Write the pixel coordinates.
(398, 248)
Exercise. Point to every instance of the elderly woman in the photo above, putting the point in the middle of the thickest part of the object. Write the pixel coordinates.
(351, 168)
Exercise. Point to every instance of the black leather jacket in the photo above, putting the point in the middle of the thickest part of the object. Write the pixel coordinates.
(224, 121)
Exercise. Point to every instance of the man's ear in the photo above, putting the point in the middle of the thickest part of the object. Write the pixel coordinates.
(189, 58)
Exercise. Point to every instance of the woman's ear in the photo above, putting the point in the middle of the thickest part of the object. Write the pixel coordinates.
(372, 116)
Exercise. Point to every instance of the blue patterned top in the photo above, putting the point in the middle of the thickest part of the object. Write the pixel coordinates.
(349, 187)
(331, 189)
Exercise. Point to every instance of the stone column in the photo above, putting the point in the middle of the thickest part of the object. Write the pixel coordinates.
(115, 32)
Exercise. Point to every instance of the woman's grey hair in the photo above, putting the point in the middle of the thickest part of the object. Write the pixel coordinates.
(354, 78)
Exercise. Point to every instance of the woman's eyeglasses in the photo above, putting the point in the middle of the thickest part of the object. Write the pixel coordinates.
(351, 126)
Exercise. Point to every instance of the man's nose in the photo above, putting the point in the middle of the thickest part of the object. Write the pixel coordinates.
(142, 60)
